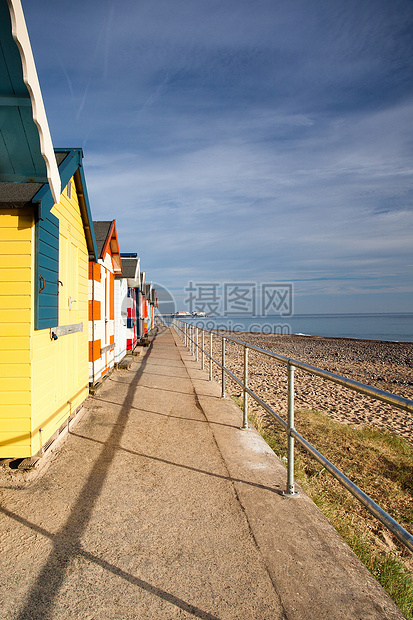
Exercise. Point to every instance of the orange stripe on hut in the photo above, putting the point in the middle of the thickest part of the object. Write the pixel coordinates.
(112, 296)
(94, 271)
(94, 350)
(95, 311)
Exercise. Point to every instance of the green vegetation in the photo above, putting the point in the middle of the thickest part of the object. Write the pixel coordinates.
(381, 464)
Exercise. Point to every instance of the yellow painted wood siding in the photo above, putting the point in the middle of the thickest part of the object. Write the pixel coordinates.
(60, 367)
(16, 308)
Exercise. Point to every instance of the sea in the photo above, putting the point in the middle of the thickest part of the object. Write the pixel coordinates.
(396, 327)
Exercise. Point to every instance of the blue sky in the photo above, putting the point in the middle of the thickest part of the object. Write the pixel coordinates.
(243, 140)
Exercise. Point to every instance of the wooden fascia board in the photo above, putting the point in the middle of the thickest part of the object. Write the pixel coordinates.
(30, 78)
(111, 247)
(70, 164)
(138, 271)
(70, 167)
(114, 247)
(81, 190)
(108, 245)
(44, 197)
(117, 264)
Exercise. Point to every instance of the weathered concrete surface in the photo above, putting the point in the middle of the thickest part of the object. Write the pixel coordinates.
(157, 506)
(314, 571)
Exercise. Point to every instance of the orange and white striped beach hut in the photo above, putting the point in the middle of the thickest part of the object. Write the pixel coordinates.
(102, 300)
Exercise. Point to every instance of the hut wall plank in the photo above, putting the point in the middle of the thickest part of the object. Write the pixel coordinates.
(16, 247)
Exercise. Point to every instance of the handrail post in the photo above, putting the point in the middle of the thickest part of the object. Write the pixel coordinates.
(245, 426)
(196, 344)
(290, 492)
(202, 351)
(223, 368)
(210, 359)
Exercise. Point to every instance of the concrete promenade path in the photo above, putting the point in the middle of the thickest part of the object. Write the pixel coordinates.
(157, 506)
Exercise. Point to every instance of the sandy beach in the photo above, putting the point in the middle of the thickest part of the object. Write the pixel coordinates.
(385, 365)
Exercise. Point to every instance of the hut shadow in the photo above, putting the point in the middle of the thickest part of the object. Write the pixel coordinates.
(67, 541)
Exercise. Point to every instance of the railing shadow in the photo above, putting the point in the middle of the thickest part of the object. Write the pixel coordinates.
(166, 415)
(187, 467)
(115, 570)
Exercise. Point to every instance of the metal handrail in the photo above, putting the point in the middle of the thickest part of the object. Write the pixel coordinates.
(190, 336)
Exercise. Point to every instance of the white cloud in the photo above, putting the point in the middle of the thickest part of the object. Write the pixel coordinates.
(268, 139)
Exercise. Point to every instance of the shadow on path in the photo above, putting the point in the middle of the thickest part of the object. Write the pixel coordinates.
(188, 467)
(167, 415)
(67, 541)
(115, 570)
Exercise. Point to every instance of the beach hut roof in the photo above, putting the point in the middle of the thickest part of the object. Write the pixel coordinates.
(107, 238)
(32, 172)
(26, 150)
(14, 195)
(147, 288)
(130, 267)
(131, 270)
(38, 195)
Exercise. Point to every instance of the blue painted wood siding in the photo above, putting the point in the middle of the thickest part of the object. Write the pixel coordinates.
(47, 272)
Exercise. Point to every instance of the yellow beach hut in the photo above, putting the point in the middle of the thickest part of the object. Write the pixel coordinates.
(47, 238)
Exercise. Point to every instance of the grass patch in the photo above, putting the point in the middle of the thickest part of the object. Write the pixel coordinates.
(381, 464)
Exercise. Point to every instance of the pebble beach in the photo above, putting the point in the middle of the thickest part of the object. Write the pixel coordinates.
(382, 364)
